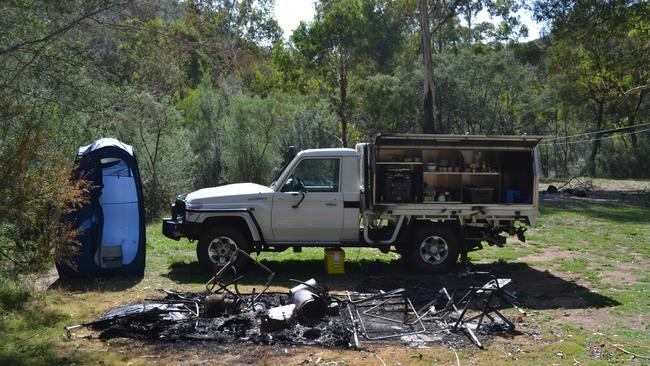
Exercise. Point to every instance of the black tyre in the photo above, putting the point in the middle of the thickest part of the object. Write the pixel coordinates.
(433, 249)
(218, 245)
(402, 249)
(471, 244)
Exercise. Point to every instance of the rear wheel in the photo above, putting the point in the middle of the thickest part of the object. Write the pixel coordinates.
(433, 249)
(217, 246)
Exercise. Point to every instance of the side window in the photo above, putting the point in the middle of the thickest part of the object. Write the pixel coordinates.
(314, 175)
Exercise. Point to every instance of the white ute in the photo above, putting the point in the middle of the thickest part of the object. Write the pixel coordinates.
(431, 198)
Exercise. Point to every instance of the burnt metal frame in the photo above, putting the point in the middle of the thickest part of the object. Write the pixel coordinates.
(355, 327)
(215, 281)
(387, 302)
(386, 296)
(481, 298)
(460, 317)
(443, 313)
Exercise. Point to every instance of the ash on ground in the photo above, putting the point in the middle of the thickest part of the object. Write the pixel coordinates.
(167, 319)
(190, 317)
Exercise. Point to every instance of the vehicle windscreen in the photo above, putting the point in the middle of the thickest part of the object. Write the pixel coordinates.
(288, 157)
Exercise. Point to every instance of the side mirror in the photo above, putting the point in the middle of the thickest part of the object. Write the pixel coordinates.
(288, 185)
(292, 185)
(301, 185)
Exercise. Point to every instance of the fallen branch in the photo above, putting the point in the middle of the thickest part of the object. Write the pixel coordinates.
(504, 352)
(379, 358)
(628, 352)
(567, 182)
(457, 359)
(32, 336)
(580, 183)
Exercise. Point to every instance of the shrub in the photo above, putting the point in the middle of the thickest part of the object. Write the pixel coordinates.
(35, 194)
(624, 161)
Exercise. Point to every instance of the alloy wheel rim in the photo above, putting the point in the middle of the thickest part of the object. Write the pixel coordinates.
(221, 250)
(434, 250)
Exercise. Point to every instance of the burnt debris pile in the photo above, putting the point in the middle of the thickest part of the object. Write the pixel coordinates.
(415, 318)
(308, 314)
(221, 318)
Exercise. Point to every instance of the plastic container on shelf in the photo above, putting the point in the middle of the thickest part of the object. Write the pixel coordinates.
(513, 195)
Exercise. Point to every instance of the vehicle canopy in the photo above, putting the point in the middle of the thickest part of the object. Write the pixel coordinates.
(458, 141)
(503, 169)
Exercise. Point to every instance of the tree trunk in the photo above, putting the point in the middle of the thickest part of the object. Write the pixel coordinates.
(555, 152)
(632, 119)
(343, 90)
(544, 160)
(565, 148)
(430, 124)
(594, 149)
(468, 16)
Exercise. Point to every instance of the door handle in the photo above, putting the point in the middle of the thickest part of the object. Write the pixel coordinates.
(330, 203)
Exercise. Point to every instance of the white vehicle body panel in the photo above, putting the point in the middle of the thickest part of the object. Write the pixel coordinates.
(213, 194)
(319, 217)
(274, 216)
(224, 200)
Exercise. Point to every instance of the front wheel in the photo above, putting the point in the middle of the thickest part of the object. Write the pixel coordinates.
(434, 249)
(217, 246)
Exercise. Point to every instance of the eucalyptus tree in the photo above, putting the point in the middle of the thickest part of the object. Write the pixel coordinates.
(440, 21)
(347, 37)
(599, 53)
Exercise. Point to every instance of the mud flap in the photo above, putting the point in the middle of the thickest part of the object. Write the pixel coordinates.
(521, 231)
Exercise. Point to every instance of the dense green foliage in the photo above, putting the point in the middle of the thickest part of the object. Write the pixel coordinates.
(209, 93)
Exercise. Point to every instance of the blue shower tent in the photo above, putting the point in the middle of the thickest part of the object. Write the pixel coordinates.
(111, 238)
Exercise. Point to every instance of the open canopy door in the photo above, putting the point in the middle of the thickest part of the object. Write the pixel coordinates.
(458, 141)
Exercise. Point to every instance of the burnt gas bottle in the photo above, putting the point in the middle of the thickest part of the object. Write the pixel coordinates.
(309, 301)
(218, 304)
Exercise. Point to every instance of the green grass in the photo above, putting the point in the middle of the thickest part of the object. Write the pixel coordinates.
(595, 239)
(12, 295)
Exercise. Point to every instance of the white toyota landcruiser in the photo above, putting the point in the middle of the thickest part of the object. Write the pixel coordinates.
(431, 198)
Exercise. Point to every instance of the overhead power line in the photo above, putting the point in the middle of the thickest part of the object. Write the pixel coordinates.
(597, 132)
(596, 139)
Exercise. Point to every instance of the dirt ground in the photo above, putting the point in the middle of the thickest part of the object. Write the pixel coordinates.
(581, 277)
(552, 300)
